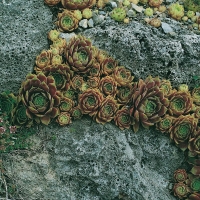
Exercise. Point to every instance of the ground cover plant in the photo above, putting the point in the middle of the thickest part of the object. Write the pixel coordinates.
(75, 78)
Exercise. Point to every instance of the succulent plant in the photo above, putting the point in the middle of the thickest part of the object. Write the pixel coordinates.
(107, 110)
(19, 116)
(155, 22)
(180, 175)
(38, 94)
(66, 104)
(66, 21)
(59, 44)
(193, 182)
(90, 101)
(87, 13)
(193, 5)
(108, 65)
(7, 103)
(53, 34)
(95, 69)
(51, 2)
(77, 14)
(76, 113)
(122, 118)
(108, 86)
(148, 103)
(78, 4)
(155, 3)
(162, 8)
(118, 14)
(180, 103)
(124, 94)
(61, 74)
(70, 93)
(77, 82)
(93, 82)
(64, 119)
(148, 12)
(182, 129)
(196, 96)
(56, 59)
(122, 76)
(43, 60)
(195, 170)
(194, 143)
(166, 87)
(181, 190)
(80, 54)
(194, 196)
(165, 124)
(176, 11)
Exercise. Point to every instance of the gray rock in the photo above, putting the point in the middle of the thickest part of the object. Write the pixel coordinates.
(90, 23)
(166, 27)
(131, 13)
(67, 36)
(83, 23)
(98, 19)
(113, 4)
(137, 8)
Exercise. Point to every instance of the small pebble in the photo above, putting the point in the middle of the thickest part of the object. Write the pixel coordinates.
(90, 23)
(166, 27)
(137, 8)
(97, 19)
(131, 13)
(83, 23)
(113, 4)
(67, 36)
(102, 13)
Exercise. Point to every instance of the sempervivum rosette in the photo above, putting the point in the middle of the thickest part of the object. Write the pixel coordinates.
(78, 4)
(183, 129)
(108, 86)
(194, 143)
(122, 118)
(64, 119)
(61, 74)
(95, 69)
(19, 115)
(7, 103)
(38, 94)
(66, 104)
(67, 22)
(148, 103)
(181, 190)
(124, 93)
(194, 183)
(165, 124)
(43, 60)
(93, 82)
(194, 196)
(108, 64)
(76, 113)
(196, 96)
(180, 103)
(80, 54)
(90, 101)
(122, 76)
(51, 2)
(165, 86)
(77, 82)
(107, 110)
(180, 175)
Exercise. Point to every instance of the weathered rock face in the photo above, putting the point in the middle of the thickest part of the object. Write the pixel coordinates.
(89, 161)
(86, 160)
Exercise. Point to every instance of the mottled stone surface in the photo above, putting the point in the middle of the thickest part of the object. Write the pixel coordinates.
(23, 35)
(88, 161)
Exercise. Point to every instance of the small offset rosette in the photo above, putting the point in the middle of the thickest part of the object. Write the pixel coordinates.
(107, 110)
(90, 101)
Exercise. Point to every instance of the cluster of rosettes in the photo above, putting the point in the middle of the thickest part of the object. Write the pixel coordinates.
(73, 11)
(187, 185)
(76, 78)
